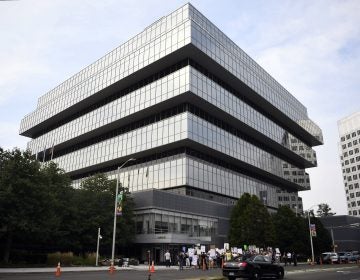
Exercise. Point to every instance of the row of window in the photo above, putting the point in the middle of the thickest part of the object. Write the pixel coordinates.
(155, 30)
(352, 169)
(351, 152)
(351, 160)
(162, 222)
(350, 135)
(151, 52)
(270, 90)
(105, 114)
(352, 195)
(351, 178)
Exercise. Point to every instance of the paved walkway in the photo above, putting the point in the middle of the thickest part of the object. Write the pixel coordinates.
(289, 269)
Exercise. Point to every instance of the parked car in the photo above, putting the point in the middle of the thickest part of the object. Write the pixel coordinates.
(344, 257)
(354, 256)
(330, 257)
(254, 267)
(107, 262)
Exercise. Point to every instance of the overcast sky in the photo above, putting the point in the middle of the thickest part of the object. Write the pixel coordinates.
(311, 47)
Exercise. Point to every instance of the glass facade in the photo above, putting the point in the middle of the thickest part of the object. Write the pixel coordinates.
(194, 133)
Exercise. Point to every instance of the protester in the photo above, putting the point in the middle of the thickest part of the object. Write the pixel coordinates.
(167, 258)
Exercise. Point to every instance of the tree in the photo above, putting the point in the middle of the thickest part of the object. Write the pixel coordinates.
(25, 201)
(250, 223)
(95, 200)
(289, 230)
(324, 210)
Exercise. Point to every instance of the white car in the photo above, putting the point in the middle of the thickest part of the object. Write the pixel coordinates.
(330, 257)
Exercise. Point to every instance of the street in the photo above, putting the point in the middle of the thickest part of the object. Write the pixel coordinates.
(336, 272)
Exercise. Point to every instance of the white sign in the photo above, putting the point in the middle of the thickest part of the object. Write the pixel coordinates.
(202, 248)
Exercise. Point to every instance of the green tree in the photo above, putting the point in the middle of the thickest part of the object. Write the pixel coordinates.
(324, 210)
(95, 208)
(289, 231)
(25, 201)
(250, 223)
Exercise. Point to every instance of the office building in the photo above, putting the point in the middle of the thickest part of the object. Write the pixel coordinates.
(349, 132)
(204, 121)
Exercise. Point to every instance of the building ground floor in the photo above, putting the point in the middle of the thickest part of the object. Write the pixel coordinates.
(169, 221)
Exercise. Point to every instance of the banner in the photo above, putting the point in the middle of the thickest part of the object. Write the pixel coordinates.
(313, 230)
(119, 204)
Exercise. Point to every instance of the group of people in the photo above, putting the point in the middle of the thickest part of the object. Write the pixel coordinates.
(202, 260)
(289, 258)
(209, 260)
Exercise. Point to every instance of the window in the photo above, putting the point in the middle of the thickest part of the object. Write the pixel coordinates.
(343, 138)
(353, 134)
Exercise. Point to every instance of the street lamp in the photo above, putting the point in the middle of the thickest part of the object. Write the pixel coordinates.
(311, 241)
(97, 247)
(116, 194)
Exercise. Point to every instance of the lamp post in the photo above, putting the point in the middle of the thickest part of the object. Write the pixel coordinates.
(311, 240)
(116, 194)
(97, 247)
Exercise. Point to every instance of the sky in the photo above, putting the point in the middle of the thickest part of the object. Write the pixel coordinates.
(311, 47)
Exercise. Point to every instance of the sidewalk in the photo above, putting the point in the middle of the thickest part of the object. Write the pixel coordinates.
(302, 267)
(140, 267)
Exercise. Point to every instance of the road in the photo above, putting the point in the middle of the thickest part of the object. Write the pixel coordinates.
(336, 274)
(301, 273)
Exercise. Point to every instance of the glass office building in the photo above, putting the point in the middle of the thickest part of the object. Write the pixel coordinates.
(349, 149)
(204, 121)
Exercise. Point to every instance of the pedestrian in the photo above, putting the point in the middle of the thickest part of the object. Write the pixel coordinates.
(294, 257)
(203, 261)
(167, 258)
(288, 255)
(285, 259)
(273, 256)
(181, 260)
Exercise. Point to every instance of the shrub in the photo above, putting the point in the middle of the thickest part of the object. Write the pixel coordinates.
(63, 258)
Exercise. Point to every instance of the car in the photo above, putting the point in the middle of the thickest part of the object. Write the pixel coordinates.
(354, 256)
(344, 257)
(330, 257)
(254, 267)
(107, 262)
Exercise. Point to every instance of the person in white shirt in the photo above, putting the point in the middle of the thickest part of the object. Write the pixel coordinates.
(167, 258)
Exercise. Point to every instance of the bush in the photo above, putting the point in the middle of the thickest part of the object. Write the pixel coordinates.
(69, 259)
(24, 257)
(63, 258)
